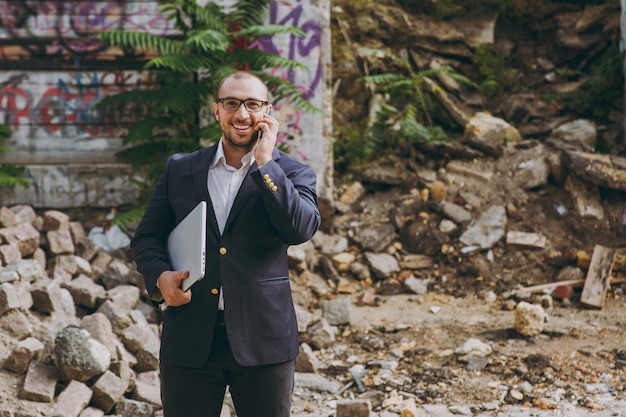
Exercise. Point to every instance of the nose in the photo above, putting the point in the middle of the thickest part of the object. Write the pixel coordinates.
(242, 111)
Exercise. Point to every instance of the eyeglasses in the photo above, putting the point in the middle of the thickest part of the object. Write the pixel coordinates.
(232, 104)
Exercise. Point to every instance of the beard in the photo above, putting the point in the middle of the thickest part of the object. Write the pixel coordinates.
(237, 141)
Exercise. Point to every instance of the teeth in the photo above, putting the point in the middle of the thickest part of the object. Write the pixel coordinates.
(241, 126)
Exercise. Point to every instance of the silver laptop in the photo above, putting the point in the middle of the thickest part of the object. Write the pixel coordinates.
(186, 245)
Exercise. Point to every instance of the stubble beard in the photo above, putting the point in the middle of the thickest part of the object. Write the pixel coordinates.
(236, 141)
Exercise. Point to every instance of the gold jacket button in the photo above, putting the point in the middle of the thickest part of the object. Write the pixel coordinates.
(223, 250)
(214, 291)
(274, 188)
(266, 176)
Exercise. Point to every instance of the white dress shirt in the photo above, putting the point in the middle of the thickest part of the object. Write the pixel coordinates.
(223, 183)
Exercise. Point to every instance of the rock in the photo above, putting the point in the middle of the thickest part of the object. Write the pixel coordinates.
(78, 356)
(382, 265)
(108, 390)
(39, 383)
(473, 348)
(26, 351)
(491, 130)
(354, 408)
(72, 400)
(607, 171)
(337, 311)
(23, 236)
(306, 361)
(529, 319)
(375, 238)
(578, 135)
(487, 230)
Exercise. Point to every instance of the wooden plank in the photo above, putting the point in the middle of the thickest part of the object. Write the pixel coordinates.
(598, 277)
(574, 283)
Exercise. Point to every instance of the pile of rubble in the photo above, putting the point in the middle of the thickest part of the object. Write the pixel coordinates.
(80, 338)
(77, 336)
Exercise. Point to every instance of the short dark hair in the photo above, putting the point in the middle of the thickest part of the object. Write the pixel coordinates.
(238, 75)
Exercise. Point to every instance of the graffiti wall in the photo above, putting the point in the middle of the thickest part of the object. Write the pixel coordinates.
(53, 72)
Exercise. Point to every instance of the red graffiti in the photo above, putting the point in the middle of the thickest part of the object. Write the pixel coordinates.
(65, 106)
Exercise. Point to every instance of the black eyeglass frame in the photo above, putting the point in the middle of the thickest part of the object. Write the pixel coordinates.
(263, 103)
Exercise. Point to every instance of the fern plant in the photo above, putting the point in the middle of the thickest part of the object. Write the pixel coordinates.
(602, 86)
(405, 116)
(10, 175)
(212, 43)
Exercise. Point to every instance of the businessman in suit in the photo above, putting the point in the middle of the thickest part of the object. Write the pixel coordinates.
(236, 327)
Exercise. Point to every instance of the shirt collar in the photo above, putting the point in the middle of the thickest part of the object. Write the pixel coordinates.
(247, 160)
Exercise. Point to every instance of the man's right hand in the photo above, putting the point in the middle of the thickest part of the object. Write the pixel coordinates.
(169, 283)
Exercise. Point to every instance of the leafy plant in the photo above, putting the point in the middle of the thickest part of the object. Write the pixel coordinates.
(602, 86)
(187, 68)
(10, 175)
(405, 115)
(493, 65)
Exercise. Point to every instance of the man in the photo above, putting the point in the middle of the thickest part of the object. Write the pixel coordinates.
(236, 327)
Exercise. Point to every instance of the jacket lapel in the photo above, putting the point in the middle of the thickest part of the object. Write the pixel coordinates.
(248, 187)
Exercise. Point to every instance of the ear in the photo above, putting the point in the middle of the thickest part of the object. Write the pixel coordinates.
(217, 117)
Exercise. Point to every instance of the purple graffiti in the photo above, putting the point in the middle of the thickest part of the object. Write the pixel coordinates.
(73, 24)
(298, 46)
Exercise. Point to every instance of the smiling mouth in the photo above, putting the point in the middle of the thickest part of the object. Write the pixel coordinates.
(242, 127)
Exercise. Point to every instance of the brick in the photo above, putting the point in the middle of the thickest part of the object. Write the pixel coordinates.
(354, 408)
(55, 220)
(107, 390)
(39, 383)
(23, 354)
(72, 400)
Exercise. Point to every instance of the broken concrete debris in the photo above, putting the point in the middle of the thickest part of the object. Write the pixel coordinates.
(79, 334)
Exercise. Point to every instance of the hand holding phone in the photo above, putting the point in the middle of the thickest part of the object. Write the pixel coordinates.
(265, 145)
(261, 130)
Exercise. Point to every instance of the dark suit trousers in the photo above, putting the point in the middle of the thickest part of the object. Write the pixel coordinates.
(257, 391)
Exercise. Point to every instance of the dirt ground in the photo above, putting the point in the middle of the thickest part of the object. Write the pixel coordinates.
(578, 361)
(576, 364)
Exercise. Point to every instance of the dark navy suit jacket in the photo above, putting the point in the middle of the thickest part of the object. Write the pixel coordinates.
(276, 207)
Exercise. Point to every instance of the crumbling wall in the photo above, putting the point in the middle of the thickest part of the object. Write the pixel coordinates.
(52, 74)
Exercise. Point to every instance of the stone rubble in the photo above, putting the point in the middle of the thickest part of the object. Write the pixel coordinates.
(79, 337)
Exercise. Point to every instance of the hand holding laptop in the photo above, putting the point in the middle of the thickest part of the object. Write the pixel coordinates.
(186, 250)
(169, 283)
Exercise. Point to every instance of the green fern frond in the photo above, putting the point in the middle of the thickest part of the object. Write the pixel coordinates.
(143, 130)
(139, 40)
(462, 79)
(211, 17)
(295, 96)
(381, 79)
(207, 40)
(401, 87)
(179, 63)
(248, 12)
(380, 53)
(414, 131)
(144, 154)
(268, 30)
(5, 132)
(124, 219)
(258, 59)
(184, 99)
(11, 175)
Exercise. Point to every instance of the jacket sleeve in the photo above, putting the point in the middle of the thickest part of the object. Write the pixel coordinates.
(150, 239)
(288, 190)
